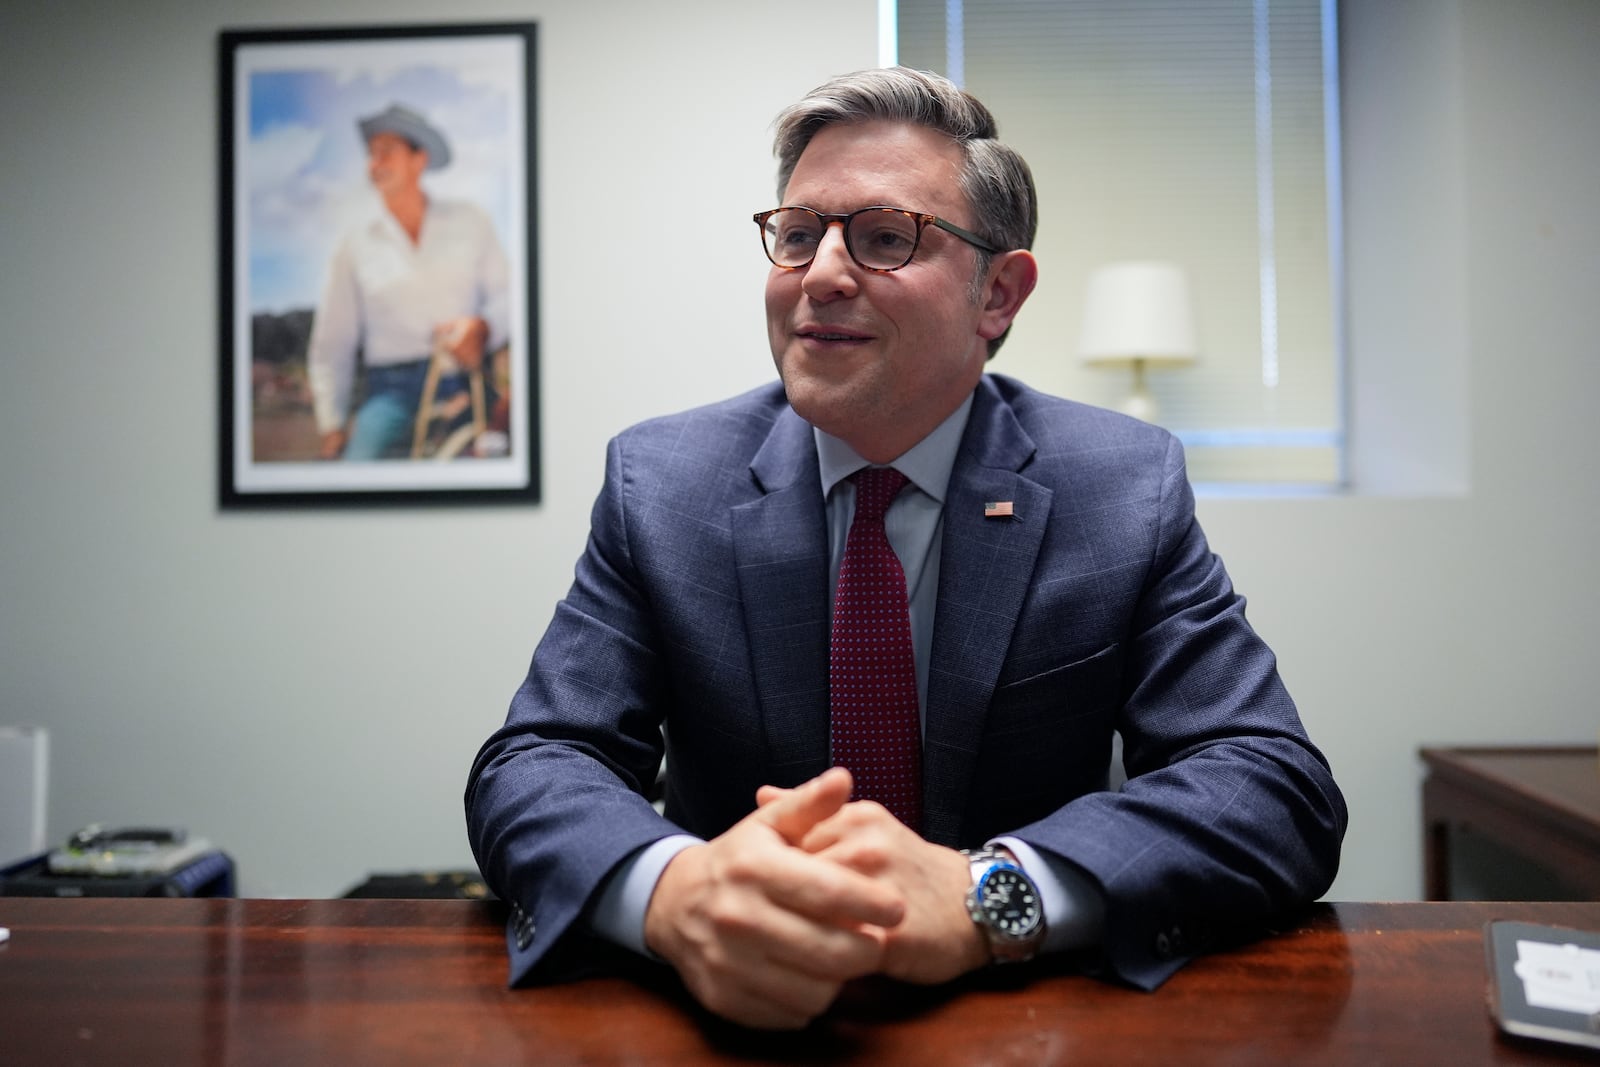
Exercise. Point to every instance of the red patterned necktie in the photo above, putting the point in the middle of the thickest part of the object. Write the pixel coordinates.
(872, 675)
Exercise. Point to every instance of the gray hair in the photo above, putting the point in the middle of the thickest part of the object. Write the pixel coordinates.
(995, 180)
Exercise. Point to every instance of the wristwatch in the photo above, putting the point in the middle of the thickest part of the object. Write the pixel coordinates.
(1004, 904)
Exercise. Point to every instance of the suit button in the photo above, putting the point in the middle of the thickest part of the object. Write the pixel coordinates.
(1163, 945)
(522, 926)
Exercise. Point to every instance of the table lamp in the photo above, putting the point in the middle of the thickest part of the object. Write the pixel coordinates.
(1138, 313)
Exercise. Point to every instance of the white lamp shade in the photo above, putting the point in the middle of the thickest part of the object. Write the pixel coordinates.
(1138, 310)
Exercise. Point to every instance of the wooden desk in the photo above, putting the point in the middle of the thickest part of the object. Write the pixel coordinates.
(349, 982)
(1543, 803)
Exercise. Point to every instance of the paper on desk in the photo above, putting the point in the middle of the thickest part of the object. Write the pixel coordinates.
(1560, 977)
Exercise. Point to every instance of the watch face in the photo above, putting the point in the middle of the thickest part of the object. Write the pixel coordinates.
(1009, 904)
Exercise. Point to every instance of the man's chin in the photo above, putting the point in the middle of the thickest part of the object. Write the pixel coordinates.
(824, 404)
(808, 397)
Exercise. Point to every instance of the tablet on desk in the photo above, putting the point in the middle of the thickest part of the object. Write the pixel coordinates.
(1544, 981)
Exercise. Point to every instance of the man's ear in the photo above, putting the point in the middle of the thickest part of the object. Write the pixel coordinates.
(1012, 276)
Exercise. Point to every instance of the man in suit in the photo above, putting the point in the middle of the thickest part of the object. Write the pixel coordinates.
(1055, 585)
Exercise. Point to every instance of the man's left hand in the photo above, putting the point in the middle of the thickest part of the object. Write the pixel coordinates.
(464, 339)
(937, 940)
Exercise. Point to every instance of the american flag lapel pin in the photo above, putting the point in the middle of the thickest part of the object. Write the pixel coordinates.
(997, 509)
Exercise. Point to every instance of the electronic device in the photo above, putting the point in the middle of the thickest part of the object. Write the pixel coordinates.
(132, 851)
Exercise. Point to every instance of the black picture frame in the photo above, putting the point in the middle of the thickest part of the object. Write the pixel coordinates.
(310, 257)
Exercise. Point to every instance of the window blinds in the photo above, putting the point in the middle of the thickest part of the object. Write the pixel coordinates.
(1198, 131)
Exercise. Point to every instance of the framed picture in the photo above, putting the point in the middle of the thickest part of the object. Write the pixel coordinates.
(379, 338)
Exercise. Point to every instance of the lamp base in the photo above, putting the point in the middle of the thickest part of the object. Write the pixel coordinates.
(1140, 404)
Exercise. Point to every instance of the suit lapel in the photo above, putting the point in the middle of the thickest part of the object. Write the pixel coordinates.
(985, 570)
(780, 545)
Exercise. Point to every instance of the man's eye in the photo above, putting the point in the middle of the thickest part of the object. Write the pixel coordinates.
(797, 238)
(890, 239)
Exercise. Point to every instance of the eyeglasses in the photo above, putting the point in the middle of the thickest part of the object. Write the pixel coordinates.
(878, 238)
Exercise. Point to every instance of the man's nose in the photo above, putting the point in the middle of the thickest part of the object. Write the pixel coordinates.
(832, 272)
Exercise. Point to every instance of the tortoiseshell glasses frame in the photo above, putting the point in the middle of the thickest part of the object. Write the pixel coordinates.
(880, 239)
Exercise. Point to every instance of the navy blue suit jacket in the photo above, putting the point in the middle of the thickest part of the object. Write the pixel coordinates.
(701, 604)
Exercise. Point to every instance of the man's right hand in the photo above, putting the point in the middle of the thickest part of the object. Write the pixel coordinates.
(332, 446)
(762, 932)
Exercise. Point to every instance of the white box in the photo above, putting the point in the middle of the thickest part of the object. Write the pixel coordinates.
(24, 788)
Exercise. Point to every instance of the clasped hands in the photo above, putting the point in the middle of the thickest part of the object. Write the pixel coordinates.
(767, 922)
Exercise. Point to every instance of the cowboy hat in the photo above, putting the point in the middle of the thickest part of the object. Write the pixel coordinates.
(403, 122)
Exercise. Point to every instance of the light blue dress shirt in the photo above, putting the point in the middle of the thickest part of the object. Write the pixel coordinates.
(1074, 907)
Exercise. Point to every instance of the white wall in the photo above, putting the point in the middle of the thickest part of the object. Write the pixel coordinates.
(1474, 236)
(308, 688)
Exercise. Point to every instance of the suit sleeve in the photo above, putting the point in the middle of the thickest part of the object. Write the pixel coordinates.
(555, 798)
(1230, 816)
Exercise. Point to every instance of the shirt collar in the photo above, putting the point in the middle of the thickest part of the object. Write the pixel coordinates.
(927, 463)
(381, 223)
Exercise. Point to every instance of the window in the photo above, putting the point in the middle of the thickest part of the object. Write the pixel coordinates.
(1203, 132)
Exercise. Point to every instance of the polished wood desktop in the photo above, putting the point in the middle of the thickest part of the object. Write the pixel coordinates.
(272, 982)
(1542, 803)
